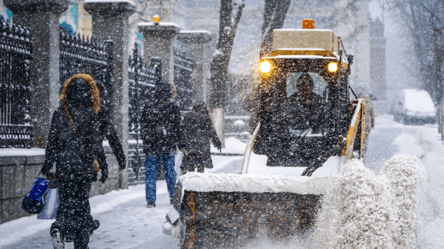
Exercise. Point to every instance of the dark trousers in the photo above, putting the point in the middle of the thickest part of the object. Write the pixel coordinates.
(74, 218)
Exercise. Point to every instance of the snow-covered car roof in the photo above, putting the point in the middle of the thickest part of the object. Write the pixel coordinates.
(418, 101)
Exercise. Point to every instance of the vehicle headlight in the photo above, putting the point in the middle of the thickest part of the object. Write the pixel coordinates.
(265, 66)
(333, 67)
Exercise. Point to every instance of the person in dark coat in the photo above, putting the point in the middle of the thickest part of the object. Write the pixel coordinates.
(74, 143)
(160, 124)
(304, 109)
(301, 113)
(197, 131)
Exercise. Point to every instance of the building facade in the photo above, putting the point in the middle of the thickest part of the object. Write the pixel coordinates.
(377, 60)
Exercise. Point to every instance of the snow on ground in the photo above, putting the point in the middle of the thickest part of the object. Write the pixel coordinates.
(125, 220)
(391, 138)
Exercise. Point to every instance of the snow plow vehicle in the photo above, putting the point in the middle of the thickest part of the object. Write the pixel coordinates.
(291, 156)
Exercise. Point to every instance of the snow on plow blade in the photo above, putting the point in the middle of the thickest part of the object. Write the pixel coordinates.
(229, 210)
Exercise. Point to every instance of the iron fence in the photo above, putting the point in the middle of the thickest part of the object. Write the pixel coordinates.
(91, 56)
(183, 68)
(15, 89)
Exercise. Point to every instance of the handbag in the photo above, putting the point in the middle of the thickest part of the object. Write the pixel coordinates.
(96, 163)
(33, 202)
(51, 201)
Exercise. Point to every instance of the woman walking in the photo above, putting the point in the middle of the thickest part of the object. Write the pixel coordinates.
(197, 131)
(74, 144)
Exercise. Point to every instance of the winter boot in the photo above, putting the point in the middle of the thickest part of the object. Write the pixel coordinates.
(151, 204)
(96, 224)
(57, 239)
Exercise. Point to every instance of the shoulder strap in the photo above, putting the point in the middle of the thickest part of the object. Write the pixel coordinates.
(96, 163)
(72, 122)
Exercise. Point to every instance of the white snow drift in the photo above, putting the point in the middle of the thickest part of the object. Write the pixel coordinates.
(365, 210)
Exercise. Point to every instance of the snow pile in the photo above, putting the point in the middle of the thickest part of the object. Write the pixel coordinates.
(403, 175)
(365, 210)
(355, 213)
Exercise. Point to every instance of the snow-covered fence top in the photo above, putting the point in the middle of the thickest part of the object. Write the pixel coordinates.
(15, 91)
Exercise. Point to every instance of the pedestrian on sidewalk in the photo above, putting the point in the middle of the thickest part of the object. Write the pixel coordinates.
(160, 124)
(74, 143)
(197, 131)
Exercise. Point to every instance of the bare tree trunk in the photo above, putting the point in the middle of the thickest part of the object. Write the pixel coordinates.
(230, 15)
(274, 17)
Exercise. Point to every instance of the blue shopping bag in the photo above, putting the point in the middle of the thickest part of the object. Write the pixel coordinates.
(51, 201)
(33, 201)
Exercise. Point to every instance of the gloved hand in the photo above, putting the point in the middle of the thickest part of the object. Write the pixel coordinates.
(218, 145)
(103, 175)
(50, 176)
(94, 178)
(316, 163)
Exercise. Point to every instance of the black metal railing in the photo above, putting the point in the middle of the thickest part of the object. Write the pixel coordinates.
(183, 68)
(91, 56)
(15, 89)
(142, 83)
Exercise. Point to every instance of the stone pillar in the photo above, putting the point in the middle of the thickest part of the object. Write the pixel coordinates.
(42, 16)
(110, 22)
(195, 42)
(158, 42)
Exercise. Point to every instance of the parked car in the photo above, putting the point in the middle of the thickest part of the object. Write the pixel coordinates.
(415, 107)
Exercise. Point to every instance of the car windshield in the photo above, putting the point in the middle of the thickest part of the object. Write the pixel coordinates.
(319, 83)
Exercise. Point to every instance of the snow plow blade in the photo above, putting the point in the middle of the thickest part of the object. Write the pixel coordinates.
(230, 210)
(229, 220)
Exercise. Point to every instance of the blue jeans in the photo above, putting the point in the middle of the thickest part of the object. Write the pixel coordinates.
(151, 167)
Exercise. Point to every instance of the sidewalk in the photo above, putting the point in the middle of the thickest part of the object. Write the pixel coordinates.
(125, 220)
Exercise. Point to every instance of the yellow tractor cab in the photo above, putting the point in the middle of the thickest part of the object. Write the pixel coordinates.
(304, 110)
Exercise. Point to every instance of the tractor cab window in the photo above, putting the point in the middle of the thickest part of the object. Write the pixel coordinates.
(300, 123)
(303, 110)
(319, 84)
